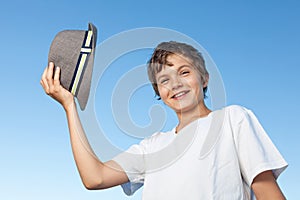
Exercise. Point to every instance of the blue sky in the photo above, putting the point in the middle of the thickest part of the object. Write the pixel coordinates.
(254, 44)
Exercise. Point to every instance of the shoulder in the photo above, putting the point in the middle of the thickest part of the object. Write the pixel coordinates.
(236, 109)
(237, 115)
(242, 119)
(237, 112)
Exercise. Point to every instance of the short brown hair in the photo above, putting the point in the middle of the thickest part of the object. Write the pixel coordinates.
(159, 59)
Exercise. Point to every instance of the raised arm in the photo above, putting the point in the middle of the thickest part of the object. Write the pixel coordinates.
(94, 173)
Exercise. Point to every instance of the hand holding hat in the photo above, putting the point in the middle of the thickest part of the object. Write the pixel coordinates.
(73, 51)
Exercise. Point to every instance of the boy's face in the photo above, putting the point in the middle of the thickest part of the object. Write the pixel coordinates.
(180, 85)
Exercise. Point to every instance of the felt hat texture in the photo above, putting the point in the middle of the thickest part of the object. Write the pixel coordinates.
(74, 51)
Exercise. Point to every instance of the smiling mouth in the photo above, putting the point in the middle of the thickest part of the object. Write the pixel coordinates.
(180, 94)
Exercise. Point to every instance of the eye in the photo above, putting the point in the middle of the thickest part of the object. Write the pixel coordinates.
(184, 72)
(164, 81)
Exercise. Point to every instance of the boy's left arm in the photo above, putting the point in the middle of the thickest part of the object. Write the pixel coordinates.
(265, 187)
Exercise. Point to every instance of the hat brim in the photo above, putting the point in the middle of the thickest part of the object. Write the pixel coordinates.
(84, 88)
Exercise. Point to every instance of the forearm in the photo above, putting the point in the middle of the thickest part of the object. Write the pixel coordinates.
(89, 166)
(94, 173)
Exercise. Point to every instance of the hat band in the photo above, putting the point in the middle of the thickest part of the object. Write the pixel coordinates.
(85, 51)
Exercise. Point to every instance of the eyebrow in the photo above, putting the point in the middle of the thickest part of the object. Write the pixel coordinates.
(179, 68)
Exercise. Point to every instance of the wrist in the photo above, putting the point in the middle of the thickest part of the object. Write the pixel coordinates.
(71, 105)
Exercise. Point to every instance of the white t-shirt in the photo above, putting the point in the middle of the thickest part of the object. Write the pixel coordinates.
(215, 157)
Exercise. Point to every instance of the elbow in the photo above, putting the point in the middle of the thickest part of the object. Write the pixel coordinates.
(92, 185)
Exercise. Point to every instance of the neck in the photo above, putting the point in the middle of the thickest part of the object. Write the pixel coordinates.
(187, 117)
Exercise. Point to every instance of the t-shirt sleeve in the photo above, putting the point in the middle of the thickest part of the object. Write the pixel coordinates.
(255, 150)
(132, 162)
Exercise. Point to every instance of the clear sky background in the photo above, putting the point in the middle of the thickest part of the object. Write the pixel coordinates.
(255, 45)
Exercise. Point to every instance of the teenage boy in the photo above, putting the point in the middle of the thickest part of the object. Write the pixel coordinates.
(242, 161)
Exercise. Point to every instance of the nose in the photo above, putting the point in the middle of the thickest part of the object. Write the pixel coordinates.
(176, 83)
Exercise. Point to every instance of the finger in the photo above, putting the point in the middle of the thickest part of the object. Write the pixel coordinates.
(49, 74)
(44, 81)
(44, 73)
(56, 76)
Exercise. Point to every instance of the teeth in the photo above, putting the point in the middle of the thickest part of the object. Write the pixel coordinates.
(179, 94)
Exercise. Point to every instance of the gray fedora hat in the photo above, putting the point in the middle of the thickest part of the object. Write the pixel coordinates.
(73, 51)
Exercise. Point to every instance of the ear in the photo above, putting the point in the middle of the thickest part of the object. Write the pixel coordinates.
(205, 81)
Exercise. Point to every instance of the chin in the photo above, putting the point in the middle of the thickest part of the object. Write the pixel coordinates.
(185, 106)
(182, 109)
